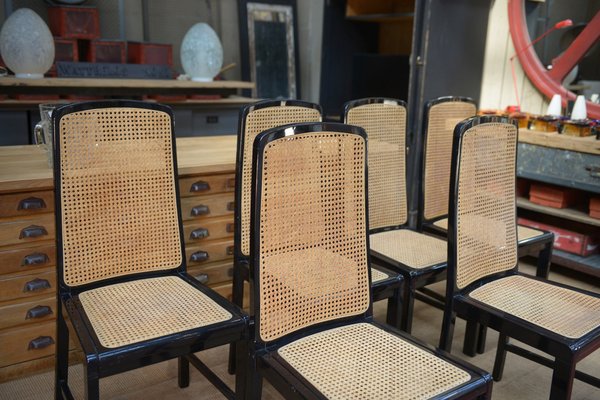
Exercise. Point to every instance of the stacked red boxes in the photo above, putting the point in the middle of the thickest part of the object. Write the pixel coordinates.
(149, 53)
(552, 196)
(74, 22)
(103, 51)
(566, 240)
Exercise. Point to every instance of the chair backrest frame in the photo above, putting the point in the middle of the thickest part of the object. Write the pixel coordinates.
(461, 131)
(422, 164)
(400, 221)
(242, 190)
(70, 110)
(261, 143)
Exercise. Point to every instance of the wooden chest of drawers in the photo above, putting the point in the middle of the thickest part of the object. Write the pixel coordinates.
(206, 168)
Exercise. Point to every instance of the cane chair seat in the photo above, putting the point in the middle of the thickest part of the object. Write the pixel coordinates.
(361, 361)
(377, 275)
(407, 247)
(131, 312)
(523, 232)
(559, 310)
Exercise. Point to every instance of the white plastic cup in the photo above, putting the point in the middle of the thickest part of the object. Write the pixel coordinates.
(555, 106)
(579, 109)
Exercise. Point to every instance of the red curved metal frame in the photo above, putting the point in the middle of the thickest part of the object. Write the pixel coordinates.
(549, 82)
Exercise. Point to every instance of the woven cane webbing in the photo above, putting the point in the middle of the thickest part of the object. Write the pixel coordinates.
(523, 232)
(443, 117)
(135, 311)
(313, 256)
(377, 275)
(119, 208)
(410, 248)
(486, 220)
(385, 125)
(563, 311)
(258, 121)
(361, 361)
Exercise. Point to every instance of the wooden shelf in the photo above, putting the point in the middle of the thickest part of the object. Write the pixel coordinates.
(12, 85)
(565, 213)
(555, 140)
(589, 265)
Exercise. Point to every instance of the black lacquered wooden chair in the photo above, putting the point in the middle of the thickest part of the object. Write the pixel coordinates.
(314, 336)
(254, 119)
(484, 284)
(121, 265)
(440, 117)
(420, 258)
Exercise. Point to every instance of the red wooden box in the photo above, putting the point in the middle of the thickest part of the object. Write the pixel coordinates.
(149, 53)
(65, 50)
(565, 240)
(552, 196)
(595, 207)
(102, 51)
(74, 22)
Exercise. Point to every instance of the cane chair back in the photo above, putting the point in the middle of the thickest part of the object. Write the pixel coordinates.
(486, 234)
(255, 119)
(385, 122)
(310, 252)
(441, 116)
(107, 156)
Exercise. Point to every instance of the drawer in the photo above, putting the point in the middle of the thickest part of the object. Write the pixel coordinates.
(27, 258)
(214, 228)
(27, 343)
(208, 251)
(15, 204)
(225, 290)
(206, 184)
(27, 230)
(193, 208)
(214, 273)
(19, 312)
(22, 286)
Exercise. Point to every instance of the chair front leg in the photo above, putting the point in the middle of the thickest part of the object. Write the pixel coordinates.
(447, 333)
(562, 379)
(92, 382)
(237, 297)
(183, 372)
(544, 260)
(394, 309)
(500, 357)
(471, 338)
(408, 305)
(61, 373)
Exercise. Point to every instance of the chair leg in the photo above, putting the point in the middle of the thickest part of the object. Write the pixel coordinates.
(241, 375)
(61, 372)
(253, 379)
(408, 304)
(500, 357)
(471, 338)
(562, 379)
(92, 383)
(183, 372)
(394, 309)
(544, 260)
(237, 298)
(447, 334)
(481, 338)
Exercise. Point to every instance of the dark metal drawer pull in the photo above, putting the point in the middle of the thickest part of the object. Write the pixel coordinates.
(200, 186)
(33, 231)
(40, 342)
(35, 259)
(38, 312)
(229, 250)
(36, 284)
(199, 233)
(231, 206)
(199, 256)
(202, 278)
(200, 210)
(31, 203)
(230, 228)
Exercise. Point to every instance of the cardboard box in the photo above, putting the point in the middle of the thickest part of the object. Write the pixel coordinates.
(565, 240)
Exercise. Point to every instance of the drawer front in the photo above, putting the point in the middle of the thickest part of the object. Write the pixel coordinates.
(212, 250)
(28, 343)
(27, 230)
(15, 204)
(214, 273)
(23, 286)
(206, 184)
(28, 312)
(194, 208)
(27, 258)
(214, 228)
(226, 290)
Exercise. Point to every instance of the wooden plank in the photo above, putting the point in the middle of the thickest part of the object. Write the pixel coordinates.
(121, 83)
(25, 168)
(566, 213)
(552, 139)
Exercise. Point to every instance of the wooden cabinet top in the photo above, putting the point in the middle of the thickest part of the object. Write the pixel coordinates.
(587, 144)
(24, 168)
